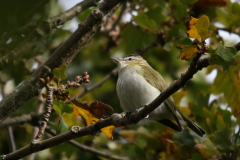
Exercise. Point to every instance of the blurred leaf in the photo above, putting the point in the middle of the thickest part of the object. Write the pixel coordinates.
(142, 20)
(61, 107)
(226, 115)
(184, 138)
(108, 131)
(207, 149)
(129, 135)
(62, 127)
(229, 84)
(197, 28)
(60, 72)
(187, 51)
(222, 139)
(196, 156)
(223, 56)
(177, 96)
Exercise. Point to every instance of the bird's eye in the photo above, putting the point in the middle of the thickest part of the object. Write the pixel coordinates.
(129, 59)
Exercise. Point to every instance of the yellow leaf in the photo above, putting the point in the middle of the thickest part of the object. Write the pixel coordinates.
(86, 116)
(91, 114)
(187, 51)
(108, 131)
(197, 28)
(177, 96)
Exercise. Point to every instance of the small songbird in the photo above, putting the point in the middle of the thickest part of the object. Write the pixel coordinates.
(139, 84)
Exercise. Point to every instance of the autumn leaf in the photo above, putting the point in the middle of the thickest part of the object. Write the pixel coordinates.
(60, 72)
(177, 96)
(197, 28)
(223, 56)
(187, 51)
(207, 149)
(91, 114)
(96, 109)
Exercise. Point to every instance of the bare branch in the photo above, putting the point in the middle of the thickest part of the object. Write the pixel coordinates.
(26, 118)
(33, 119)
(46, 27)
(64, 54)
(87, 148)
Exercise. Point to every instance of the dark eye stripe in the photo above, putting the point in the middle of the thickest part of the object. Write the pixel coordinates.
(129, 59)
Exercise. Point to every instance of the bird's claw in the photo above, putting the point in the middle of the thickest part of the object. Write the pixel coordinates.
(138, 110)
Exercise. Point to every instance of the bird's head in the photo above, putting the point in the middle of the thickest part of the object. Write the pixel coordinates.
(129, 60)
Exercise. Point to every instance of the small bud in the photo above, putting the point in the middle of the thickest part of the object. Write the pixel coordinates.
(87, 81)
(42, 80)
(85, 73)
(77, 78)
(78, 85)
(60, 81)
(86, 77)
(47, 79)
(199, 47)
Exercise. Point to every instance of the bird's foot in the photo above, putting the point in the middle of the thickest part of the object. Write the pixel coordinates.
(138, 110)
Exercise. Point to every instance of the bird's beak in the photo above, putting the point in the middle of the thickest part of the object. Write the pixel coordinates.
(117, 60)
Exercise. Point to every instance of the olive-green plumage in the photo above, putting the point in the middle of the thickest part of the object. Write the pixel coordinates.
(139, 84)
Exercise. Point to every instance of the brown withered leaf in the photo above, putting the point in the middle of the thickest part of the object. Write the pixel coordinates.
(96, 109)
(187, 52)
(91, 114)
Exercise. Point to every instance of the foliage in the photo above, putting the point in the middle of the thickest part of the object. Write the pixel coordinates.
(219, 117)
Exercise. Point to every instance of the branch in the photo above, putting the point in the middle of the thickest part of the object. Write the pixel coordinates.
(26, 118)
(64, 54)
(87, 148)
(197, 64)
(33, 119)
(46, 27)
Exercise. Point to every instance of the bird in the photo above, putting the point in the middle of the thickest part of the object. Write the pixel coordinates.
(139, 84)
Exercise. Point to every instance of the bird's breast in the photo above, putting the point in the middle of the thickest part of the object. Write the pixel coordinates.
(134, 91)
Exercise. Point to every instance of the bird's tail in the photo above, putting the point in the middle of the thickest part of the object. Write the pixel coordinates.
(192, 125)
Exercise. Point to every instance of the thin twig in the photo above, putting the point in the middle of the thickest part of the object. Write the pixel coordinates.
(46, 27)
(159, 40)
(40, 107)
(99, 84)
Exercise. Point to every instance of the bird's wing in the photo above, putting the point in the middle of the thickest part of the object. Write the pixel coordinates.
(157, 81)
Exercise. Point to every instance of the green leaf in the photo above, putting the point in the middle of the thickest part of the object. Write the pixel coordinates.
(223, 56)
(184, 137)
(226, 115)
(207, 149)
(142, 20)
(196, 156)
(222, 139)
(60, 72)
(62, 126)
(61, 107)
